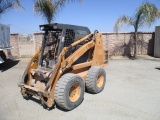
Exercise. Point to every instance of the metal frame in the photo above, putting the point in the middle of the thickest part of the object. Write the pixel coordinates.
(92, 43)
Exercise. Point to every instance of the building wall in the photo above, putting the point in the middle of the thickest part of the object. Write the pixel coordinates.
(122, 43)
(38, 40)
(14, 42)
(117, 44)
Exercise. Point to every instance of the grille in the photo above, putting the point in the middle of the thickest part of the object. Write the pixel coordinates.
(69, 37)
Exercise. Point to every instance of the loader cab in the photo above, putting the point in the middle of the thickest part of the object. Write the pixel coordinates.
(57, 36)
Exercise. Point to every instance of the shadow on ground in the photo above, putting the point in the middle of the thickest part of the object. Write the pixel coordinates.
(8, 64)
(45, 107)
(55, 106)
(158, 68)
(36, 100)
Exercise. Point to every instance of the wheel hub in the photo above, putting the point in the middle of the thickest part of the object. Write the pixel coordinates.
(74, 92)
(100, 80)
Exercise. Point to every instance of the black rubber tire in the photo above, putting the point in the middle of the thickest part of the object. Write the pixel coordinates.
(91, 79)
(63, 86)
(3, 56)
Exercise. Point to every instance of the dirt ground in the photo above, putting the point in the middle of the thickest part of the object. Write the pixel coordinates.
(132, 92)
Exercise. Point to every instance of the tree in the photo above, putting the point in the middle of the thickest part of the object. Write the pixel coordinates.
(46, 9)
(49, 8)
(145, 14)
(6, 5)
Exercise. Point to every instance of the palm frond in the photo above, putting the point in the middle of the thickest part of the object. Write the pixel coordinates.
(149, 12)
(59, 4)
(49, 8)
(46, 9)
(158, 13)
(6, 5)
(122, 20)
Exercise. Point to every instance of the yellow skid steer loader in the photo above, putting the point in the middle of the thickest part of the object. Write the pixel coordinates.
(70, 59)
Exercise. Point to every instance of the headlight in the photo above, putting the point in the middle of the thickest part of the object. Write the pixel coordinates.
(55, 27)
(42, 28)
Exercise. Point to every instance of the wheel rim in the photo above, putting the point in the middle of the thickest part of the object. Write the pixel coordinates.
(74, 92)
(100, 80)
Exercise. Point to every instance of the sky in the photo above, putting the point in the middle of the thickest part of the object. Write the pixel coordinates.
(98, 15)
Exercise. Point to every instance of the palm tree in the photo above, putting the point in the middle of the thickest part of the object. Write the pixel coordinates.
(46, 9)
(145, 14)
(49, 8)
(6, 5)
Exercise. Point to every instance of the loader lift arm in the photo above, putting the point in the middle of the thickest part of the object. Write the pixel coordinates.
(92, 44)
(64, 64)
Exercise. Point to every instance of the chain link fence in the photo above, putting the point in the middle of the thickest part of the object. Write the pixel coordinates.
(26, 45)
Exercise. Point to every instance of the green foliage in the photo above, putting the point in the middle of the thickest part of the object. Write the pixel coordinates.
(123, 20)
(6, 5)
(146, 14)
(46, 9)
(49, 8)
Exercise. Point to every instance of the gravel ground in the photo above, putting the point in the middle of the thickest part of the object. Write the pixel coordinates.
(131, 93)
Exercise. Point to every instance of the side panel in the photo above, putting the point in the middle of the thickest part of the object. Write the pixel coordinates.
(157, 42)
(4, 36)
(98, 55)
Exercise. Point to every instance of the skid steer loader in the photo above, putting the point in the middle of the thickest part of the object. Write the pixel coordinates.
(64, 66)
